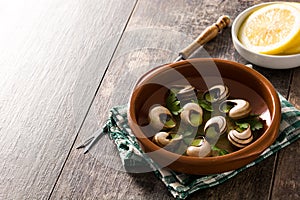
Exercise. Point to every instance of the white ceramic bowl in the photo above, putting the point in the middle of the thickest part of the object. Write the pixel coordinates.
(263, 60)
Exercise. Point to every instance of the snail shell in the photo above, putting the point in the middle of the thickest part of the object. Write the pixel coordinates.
(215, 127)
(240, 108)
(163, 139)
(218, 122)
(240, 139)
(202, 150)
(187, 94)
(216, 93)
(192, 114)
(161, 118)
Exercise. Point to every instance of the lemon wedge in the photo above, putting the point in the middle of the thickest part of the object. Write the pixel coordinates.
(293, 50)
(271, 29)
(296, 48)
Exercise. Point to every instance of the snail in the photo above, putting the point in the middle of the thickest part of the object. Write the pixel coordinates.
(192, 114)
(218, 122)
(215, 127)
(216, 93)
(186, 94)
(161, 118)
(171, 136)
(166, 139)
(202, 149)
(240, 139)
(236, 108)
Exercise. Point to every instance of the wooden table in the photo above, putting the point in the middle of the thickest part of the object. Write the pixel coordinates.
(64, 64)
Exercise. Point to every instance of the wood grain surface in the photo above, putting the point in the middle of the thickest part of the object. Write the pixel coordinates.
(46, 46)
(64, 64)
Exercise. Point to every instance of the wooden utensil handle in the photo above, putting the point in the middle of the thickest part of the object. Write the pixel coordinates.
(208, 34)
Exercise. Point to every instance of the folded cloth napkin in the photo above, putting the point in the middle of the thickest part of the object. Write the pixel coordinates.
(181, 185)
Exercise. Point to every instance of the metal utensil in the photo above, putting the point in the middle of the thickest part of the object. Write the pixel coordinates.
(208, 34)
(89, 143)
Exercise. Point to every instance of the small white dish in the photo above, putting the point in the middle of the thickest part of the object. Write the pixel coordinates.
(263, 60)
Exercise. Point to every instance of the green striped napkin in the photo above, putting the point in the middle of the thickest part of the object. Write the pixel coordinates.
(181, 185)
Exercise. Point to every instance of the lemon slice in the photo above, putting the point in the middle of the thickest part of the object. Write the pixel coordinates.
(271, 29)
(293, 50)
(296, 48)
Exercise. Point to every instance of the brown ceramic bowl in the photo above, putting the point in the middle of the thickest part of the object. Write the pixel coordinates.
(242, 81)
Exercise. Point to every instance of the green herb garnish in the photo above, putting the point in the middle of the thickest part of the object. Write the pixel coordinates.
(241, 126)
(226, 107)
(205, 105)
(172, 103)
(221, 152)
(254, 122)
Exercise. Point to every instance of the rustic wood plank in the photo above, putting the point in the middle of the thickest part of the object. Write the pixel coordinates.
(156, 32)
(286, 184)
(295, 89)
(52, 57)
(287, 176)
